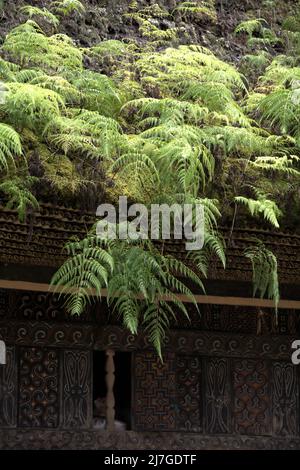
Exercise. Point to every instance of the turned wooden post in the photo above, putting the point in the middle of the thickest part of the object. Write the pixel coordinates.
(2, 353)
(110, 398)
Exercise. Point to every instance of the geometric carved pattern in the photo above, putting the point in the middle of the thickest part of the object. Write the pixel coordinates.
(230, 318)
(285, 399)
(154, 392)
(38, 388)
(76, 389)
(8, 389)
(252, 407)
(217, 399)
(188, 387)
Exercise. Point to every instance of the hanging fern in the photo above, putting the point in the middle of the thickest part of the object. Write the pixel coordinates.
(262, 205)
(157, 121)
(141, 282)
(19, 195)
(265, 277)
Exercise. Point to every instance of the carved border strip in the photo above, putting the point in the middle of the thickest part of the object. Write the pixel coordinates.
(87, 336)
(62, 439)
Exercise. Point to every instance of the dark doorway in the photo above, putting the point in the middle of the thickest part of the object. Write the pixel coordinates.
(122, 386)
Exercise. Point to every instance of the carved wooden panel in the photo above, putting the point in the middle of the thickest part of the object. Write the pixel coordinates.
(38, 404)
(285, 399)
(76, 389)
(188, 393)
(8, 389)
(4, 303)
(252, 403)
(154, 391)
(230, 318)
(218, 403)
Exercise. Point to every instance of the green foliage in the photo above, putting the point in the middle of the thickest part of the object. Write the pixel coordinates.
(265, 277)
(158, 124)
(29, 45)
(86, 133)
(279, 108)
(141, 283)
(198, 10)
(65, 7)
(10, 147)
(250, 26)
(257, 33)
(45, 14)
(257, 62)
(148, 20)
(67, 91)
(262, 205)
(7, 70)
(276, 164)
(31, 106)
(99, 93)
(19, 195)
(60, 172)
(174, 71)
(110, 49)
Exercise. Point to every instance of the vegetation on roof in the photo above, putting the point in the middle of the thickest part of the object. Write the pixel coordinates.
(158, 120)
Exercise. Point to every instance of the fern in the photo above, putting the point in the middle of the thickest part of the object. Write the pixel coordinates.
(283, 165)
(7, 70)
(19, 195)
(202, 10)
(250, 26)
(10, 147)
(31, 106)
(70, 93)
(65, 7)
(147, 21)
(28, 44)
(98, 92)
(173, 70)
(158, 124)
(141, 283)
(265, 277)
(279, 108)
(32, 11)
(85, 132)
(262, 205)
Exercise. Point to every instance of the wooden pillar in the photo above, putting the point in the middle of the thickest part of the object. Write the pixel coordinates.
(110, 398)
(2, 353)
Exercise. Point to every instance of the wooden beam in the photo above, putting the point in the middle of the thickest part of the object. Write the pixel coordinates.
(200, 299)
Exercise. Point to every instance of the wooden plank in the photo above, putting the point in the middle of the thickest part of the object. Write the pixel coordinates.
(200, 299)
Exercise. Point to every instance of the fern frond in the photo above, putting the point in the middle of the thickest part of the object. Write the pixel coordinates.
(31, 106)
(32, 11)
(65, 7)
(19, 195)
(264, 206)
(10, 147)
(265, 277)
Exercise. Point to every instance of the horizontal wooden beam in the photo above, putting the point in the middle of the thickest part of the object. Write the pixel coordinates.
(200, 299)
